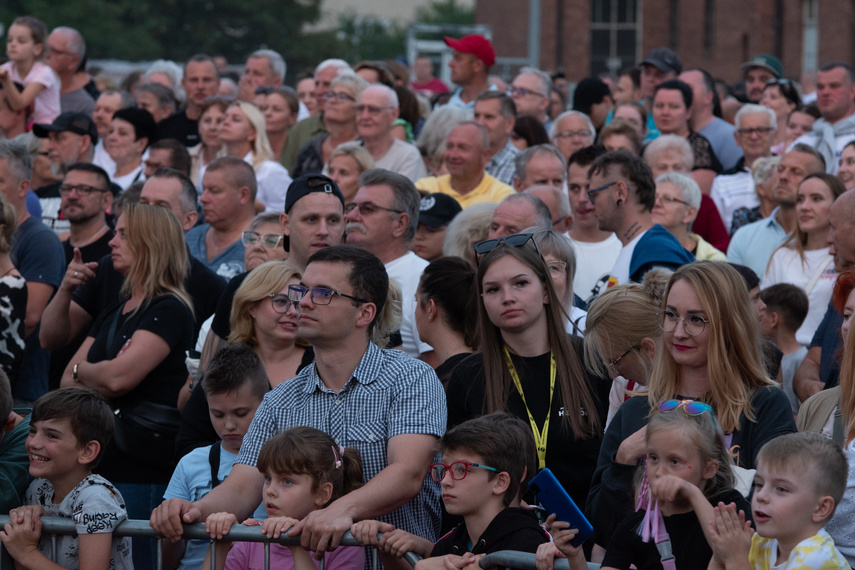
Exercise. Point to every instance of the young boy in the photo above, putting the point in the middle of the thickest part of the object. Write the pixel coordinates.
(786, 309)
(800, 480)
(486, 465)
(69, 431)
(234, 384)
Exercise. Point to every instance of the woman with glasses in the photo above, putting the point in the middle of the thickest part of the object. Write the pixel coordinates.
(244, 134)
(134, 356)
(804, 259)
(678, 200)
(280, 108)
(529, 366)
(339, 122)
(781, 96)
(709, 351)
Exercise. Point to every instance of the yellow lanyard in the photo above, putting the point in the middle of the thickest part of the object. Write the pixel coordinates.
(539, 436)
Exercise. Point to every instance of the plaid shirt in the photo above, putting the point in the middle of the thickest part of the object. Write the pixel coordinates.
(501, 166)
(389, 394)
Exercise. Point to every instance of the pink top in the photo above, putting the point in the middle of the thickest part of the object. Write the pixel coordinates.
(250, 555)
(47, 101)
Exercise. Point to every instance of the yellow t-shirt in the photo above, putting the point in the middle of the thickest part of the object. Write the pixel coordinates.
(489, 190)
(815, 553)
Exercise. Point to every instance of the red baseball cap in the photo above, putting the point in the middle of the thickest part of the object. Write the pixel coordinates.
(477, 45)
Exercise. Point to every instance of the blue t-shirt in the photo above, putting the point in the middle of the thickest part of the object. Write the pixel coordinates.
(38, 256)
(228, 264)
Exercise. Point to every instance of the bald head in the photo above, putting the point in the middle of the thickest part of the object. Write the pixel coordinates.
(518, 212)
(558, 204)
(841, 233)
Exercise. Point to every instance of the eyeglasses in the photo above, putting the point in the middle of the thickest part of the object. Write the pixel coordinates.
(340, 97)
(748, 131)
(368, 208)
(281, 303)
(573, 134)
(264, 90)
(516, 240)
(557, 267)
(371, 109)
(693, 324)
(668, 200)
(614, 362)
(522, 92)
(458, 470)
(252, 238)
(319, 295)
(592, 193)
(82, 189)
(691, 407)
(782, 81)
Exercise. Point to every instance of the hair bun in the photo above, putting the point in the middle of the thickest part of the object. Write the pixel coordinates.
(655, 282)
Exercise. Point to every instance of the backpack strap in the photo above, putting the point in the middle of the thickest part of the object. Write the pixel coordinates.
(214, 461)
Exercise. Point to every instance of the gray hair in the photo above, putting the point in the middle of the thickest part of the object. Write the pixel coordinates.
(553, 130)
(545, 80)
(19, 160)
(127, 100)
(551, 242)
(753, 109)
(763, 169)
(466, 229)
(557, 193)
(164, 95)
(172, 70)
(438, 125)
(391, 96)
(274, 60)
(406, 197)
(542, 216)
(76, 43)
(523, 158)
(483, 133)
(352, 81)
(337, 63)
(687, 186)
(664, 143)
(264, 218)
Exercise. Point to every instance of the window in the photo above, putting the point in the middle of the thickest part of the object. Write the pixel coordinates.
(615, 35)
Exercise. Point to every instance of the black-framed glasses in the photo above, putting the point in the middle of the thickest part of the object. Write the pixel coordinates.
(458, 470)
(779, 81)
(748, 131)
(339, 97)
(668, 200)
(82, 189)
(281, 303)
(372, 110)
(516, 240)
(692, 324)
(368, 208)
(264, 90)
(522, 92)
(268, 240)
(319, 295)
(615, 362)
(573, 134)
(592, 192)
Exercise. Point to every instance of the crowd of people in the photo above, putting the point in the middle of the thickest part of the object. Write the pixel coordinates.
(379, 304)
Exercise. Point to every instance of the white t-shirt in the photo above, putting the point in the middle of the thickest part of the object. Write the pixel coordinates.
(786, 267)
(620, 271)
(731, 192)
(123, 182)
(593, 261)
(273, 182)
(103, 159)
(403, 158)
(46, 106)
(407, 270)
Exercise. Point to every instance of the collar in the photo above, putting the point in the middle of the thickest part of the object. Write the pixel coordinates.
(366, 371)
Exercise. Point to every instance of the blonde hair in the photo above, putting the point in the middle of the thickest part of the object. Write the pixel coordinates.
(734, 365)
(160, 263)
(8, 224)
(357, 152)
(267, 279)
(621, 317)
(390, 317)
(261, 150)
(466, 229)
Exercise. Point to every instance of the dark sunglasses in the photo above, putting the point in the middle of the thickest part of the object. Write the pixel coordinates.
(516, 240)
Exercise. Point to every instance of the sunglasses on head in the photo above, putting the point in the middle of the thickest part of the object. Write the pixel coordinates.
(516, 240)
(690, 407)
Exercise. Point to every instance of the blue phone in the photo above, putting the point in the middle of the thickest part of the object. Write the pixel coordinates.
(555, 499)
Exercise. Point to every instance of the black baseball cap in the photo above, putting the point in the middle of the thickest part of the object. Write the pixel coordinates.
(663, 59)
(437, 210)
(309, 184)
(69, 121)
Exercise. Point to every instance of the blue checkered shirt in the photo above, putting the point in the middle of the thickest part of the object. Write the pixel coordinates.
(501, 166)
(389, 394)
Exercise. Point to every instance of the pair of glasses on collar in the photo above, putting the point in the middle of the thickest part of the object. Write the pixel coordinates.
(516, 240)
(690, 407)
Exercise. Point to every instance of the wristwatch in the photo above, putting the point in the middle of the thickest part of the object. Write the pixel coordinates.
(74, 373)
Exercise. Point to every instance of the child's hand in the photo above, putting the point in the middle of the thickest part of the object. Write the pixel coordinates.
(218, 524)
(21, 539)
(18, 513)
(366, 531)
(562, 536)
(274, 526)
(666, 488)
(398, 542)
(251, 522)
(730, 535)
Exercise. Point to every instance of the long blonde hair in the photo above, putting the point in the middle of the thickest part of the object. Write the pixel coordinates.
(261, 149)
(734, 365)
(160, 263)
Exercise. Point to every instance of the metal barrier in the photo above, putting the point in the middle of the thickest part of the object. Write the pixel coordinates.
(141, 529)
(523, 561)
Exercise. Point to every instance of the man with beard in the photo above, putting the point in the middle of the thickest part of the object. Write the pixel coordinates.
(85, 198)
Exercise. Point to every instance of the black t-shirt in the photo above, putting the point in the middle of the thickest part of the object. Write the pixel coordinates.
(571, 460)
(91, 252)
(180, 128)
(222, 324)
(170, 319)
(444, 370)
(688, 543)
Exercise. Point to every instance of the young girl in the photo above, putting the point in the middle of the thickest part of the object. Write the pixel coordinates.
(25, 47)
(304, 470)
(688, 470)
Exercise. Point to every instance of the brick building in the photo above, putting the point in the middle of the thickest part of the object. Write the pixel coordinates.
(586, 37)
